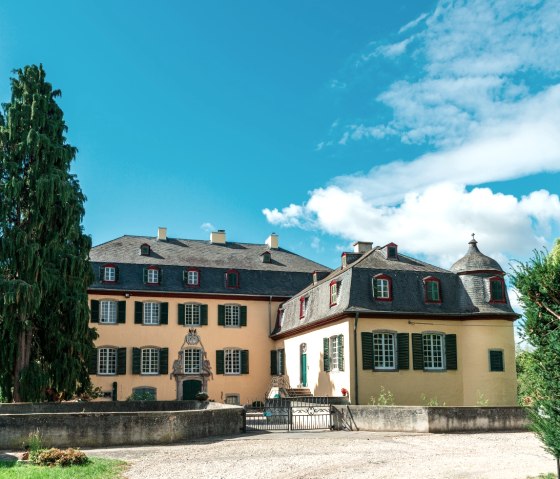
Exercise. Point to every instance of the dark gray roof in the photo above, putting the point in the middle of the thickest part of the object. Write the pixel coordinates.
(474, 260)
(408, 295)
(286, 274)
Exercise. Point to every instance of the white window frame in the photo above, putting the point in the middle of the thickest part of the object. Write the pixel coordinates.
(334, 293)
(433, 351)
(192, 314)
(333, 353)
(384, 350)
(279, 364)
(232, 316)
(149, 361)
(151, 313)
(152, 276)
(232, 361)
(108, 311)
(193, 277)
(107, 361)
(109, 274)
(232, 399)
(192, 360)
(382, 288)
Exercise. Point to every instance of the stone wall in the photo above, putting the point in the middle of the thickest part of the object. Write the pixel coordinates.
(430, 419)
(94, 428)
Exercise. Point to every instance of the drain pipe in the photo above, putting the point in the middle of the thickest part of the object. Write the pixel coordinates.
(356, 317)
(270, 327)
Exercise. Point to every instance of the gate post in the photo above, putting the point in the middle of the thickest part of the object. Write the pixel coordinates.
(244, 428)
(290, 415)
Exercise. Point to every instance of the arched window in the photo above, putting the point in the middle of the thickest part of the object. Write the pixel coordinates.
(191, 277)
(232, 279)
(382, 287)
(497, 290)
(432, 292)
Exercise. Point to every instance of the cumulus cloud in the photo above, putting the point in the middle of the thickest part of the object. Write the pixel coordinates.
(208, 227)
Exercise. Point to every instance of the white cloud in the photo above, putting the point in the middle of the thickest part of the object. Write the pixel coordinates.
(316, 243)
(394, 49)
(208, 227)
(413, 23)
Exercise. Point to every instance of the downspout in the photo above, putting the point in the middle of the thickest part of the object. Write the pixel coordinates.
(356, 317)
(270, 328)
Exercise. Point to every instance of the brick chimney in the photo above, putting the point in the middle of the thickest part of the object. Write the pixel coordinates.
(218, 237)
(272, 241)
(162, 234)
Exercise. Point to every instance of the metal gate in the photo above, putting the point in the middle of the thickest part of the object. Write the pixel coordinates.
(289, 414)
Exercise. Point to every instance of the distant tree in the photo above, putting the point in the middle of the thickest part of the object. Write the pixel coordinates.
(538, 283)
(45, 341)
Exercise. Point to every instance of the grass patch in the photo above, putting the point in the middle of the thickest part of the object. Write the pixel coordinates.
(97, 468)
(544, 476)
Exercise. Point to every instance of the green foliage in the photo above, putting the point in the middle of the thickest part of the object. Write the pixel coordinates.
(141, 396)
(538, 284)
(524, 365)
(482, 400)
(384, 398)
(44, 268)
(433, 402)
(60, 457)
(96, 468)
(34, 444)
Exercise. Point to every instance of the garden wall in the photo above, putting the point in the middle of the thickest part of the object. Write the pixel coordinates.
(430, 419)
(116, 424)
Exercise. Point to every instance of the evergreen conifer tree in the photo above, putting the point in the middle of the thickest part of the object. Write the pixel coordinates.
(45, 341)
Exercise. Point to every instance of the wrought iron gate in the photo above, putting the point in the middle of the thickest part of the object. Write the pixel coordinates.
(289, 414)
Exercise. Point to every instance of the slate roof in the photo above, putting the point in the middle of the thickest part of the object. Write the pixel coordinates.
(474, 260)
(286, 273)
(462, 295)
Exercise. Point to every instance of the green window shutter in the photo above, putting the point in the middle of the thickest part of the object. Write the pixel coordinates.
(273, 363)
(417, 352)
(138, 312)
(163, 313)
(185, 275)
(92, 366)
(121, 361)
(164, 360)
(451, 351)
(145, 275)
(116, 273)
(283, 364)
(121, 312)
(243, 315)
(204, 315)
(94, 311)
(367, 350)
(403, 351)
(221, 315)
(244, 361)
(219, 361)
(181, 315)
(135, 360)
(326, 358)
(496, 361)
(101, 274)
(340, 340)
(374, 289)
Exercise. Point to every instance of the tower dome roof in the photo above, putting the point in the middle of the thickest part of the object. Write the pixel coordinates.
(474, 261)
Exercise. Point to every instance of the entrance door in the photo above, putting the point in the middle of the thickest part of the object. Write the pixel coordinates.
(303, 368)
(191, 388)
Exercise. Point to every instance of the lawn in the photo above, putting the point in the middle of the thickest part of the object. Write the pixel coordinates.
(96, 469)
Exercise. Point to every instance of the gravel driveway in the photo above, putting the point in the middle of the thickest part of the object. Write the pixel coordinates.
(341, 455)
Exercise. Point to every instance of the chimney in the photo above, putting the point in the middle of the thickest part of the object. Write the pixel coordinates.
(319, 275)
(272, 241)
(349, 258)
(362, 246)
(162, 234)
(218, 237)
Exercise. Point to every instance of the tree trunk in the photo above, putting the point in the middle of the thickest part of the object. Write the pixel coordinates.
(22, 360)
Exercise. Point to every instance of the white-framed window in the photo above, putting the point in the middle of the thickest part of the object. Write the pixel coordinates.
(232, 399)
(151, 313)
(192, 359)
(108, 310)
(382, 288)
(153, 276)
(232, 315)
(384, 350)
(107, 361)
(109, 273)
(334, 293)
(192, 314)
(232, 361)
(193, 277)
(333, 350)
(280, 361)
(149, 361)
(433, 348)
(303, 303)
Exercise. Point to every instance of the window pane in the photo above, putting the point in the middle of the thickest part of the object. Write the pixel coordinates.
(433, 351)
(192, 278)
(232, 315)
(108, 312)
(107, 361)
(432, 290)
(232, 360)
(384, 351)
(150, 361)
(109, 274)
(192, 314)
(192, 361)
(496, 290)
(151, 313)
(153, 275)
(333, 352)
(382, 288)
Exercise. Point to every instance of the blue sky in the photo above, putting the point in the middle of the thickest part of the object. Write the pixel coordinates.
(326, 122)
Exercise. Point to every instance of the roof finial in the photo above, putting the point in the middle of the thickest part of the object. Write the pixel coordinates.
(473, 241)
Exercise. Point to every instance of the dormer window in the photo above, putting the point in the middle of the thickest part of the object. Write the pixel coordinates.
(265, 257)
(432, 292)
(109, 273)
(392, 251)
(382, 287)
(191, 277)
(232, 279)
(145, 250)
(303, 302)
(334, 290)
(497, 290)
(152, 275)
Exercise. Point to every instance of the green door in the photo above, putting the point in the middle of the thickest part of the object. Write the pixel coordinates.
(303, 369)
(191, 388)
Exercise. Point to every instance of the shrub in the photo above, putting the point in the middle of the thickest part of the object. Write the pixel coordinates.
(201, 396)
(59, 457)
(385, 398)
(257, 404)
(34, 444)
(141, 396)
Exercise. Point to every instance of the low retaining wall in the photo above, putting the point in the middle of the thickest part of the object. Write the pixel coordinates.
(94, 426)
(430, 419)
